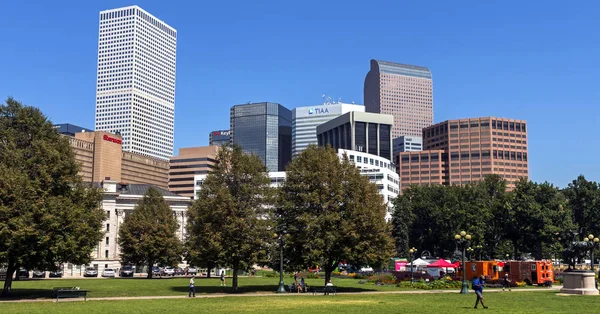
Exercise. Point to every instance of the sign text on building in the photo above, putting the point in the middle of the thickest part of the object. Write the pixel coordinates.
(318, 110)
(112, 139)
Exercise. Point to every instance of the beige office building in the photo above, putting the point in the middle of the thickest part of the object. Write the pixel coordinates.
(403, 91)
(469, 150)
(191, 161)
(101, 156)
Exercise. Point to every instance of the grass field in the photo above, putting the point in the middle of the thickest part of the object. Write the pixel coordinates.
(130, 287)
(508, 302)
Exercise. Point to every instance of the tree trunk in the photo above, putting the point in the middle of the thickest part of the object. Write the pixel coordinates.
(328, 270)
(17, 267)
(234, 281)
(150, 270)
(208, 269)
(8, 280)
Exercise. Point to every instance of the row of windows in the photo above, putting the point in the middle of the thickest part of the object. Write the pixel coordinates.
(133, 12)
(511, 126)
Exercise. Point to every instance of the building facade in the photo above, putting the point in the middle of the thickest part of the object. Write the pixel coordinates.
(471, 149)
(100, 155)
(190, 162)
(404, 91)
(263, 129)
(359, 131)
(306, 119)
(70, 129)
(135, 88)
(407, 144)
(277, 179)
(218, 138)
(119, 200)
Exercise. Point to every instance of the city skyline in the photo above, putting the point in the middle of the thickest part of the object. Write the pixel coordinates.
(520, 71)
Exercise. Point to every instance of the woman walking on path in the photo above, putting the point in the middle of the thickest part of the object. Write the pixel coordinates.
(223, 284)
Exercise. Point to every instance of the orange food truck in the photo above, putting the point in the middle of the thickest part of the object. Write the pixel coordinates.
(488, 269)
(532, 272)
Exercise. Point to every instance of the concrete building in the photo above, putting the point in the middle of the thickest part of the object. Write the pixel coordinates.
(277, 179)
(190, 162)
(470, 149)
(402, 90)
(70, 129)
(407, 144)
(100, 155)
(359, 131)
(218, 138)
(263, 129)
(135, 89)
(119, 201)
(306, 119)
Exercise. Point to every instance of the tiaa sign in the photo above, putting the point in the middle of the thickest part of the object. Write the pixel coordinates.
(318, 110)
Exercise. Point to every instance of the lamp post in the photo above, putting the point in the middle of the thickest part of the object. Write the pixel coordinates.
(462, 241)
(412, 253)
(281, 288)
(479, 248)
(470, 251)
(594, 242)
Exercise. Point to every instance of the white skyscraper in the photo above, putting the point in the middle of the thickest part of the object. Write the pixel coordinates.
(135, 88)
(306, 119)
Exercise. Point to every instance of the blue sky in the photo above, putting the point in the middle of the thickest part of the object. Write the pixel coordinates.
(532, 60)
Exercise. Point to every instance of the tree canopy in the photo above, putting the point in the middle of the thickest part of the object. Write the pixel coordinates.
(329, 213)
(47, 215)
(230, 224)
(148, 236)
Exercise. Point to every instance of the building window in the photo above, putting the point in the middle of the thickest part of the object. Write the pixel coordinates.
(107, 227)
(106, 240)
(106, 254)
(358, 159)
(108, 214)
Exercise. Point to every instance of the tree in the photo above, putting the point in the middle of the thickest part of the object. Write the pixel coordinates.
(584, 200)
(149, 234)
(330, 213)
(231, 222)
(47, 215)
(497, 203)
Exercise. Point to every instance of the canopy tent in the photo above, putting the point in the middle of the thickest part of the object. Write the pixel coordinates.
(418, 262)
(441, 263)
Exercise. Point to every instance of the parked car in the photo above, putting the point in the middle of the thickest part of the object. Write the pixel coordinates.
(191, 270)
(3, 272)
(179, 271)
(90, 272)
(156, 270)
(108, 272)
(126, 271)
(38, 274)
(168, 271)
(55, 274)
(23, 273)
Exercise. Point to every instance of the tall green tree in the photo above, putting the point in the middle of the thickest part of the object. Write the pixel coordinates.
(584, 200)
(330, 213)
(496, 201)
(149, 234)
(231, 222)
(47, 215)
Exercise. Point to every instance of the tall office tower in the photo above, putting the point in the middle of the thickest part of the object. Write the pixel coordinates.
(219, 138)
(404, 91)
(306, 119)
(263, 129)
(135, 88)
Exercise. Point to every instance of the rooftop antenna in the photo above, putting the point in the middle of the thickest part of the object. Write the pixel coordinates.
(339, 100)
(323, 96)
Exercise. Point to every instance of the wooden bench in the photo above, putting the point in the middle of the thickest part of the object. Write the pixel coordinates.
(325, 290)
(69, 292)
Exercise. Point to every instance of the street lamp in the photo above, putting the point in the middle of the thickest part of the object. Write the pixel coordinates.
(594, 243)
(412, 253)
(479, 248)
(281, 288)
(470, 251)
(462, 241)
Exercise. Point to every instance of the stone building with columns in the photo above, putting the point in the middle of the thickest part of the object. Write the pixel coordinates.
(119, 200)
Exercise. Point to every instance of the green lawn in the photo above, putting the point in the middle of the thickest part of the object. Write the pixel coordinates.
(507, 302)
(127, 287)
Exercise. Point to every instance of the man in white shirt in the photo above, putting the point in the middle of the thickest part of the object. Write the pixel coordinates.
(192, 288)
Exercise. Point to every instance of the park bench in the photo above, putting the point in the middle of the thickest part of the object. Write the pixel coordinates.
(69, 292)
(325, 290)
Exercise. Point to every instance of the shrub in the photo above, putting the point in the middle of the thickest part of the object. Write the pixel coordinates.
(353, 275)
(385, 279)
(436, 284)
(521, 284)
(360, 276)
(271, 274)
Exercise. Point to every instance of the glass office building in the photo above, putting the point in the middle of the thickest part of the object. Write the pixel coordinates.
(263, 129)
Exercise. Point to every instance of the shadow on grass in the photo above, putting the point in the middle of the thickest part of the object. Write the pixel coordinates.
(254, 289)
(28, 294)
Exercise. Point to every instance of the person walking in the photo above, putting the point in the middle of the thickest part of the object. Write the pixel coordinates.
(478, 287)
(223, 284)
(192, 288)
(506, 283)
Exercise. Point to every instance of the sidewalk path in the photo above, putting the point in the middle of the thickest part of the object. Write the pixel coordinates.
(222, 295)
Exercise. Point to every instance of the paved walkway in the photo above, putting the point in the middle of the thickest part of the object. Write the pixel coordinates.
(222, 295)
